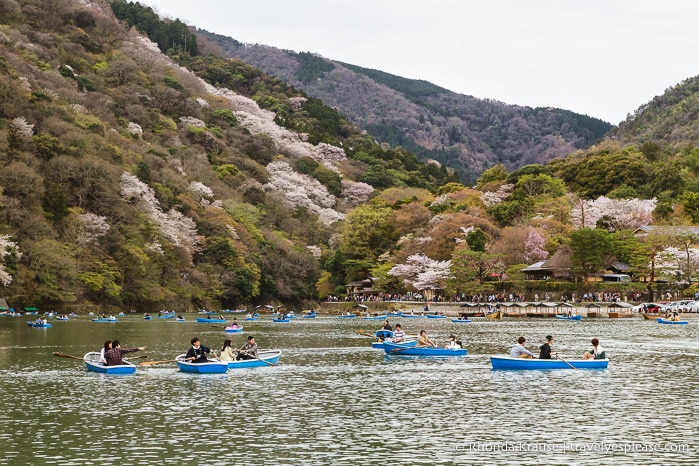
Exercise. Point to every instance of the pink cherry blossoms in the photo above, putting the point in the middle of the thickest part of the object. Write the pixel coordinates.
(534, 247)
(423, 273)
(355, 193)
(6, 248)
(624, 213)
(175, 226)
(92, 227)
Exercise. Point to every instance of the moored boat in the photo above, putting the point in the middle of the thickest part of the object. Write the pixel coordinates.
(397, 349)
(93, 364)
(509, 363)
(575, 317)
(38, 325)
(673, 322)
(264, 358)
(212, 366)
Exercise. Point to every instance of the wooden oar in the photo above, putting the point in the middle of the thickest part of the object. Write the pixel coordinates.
(143, 356)
(569, 364)
(363, 333)
(63, 355)
(152, 363)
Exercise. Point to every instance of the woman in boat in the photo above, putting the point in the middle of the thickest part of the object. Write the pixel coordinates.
(234, 324)
(452, 343)
(114, 355)
(107, 346)
(519, 351)
(597, 351)
(227, 351)
(398, 334)
(545, 349)
(423, 341)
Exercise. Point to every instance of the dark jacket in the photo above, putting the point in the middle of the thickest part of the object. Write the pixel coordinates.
(545, 352)
(199, 353)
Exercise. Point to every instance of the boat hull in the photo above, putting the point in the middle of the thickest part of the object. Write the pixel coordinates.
(281, 321)
(406, 343)
(672, 322)
(435, 316)
(93, 364)
(521, 364)
(576, 317)
(105, 320)
(35, 325)
(265, 359)
(461, 321)
(347, 316)
(395, 349)
(209, 367)
(238, 329)
(206, 320)
(383, 317)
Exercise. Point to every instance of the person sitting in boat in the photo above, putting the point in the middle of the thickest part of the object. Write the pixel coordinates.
(423, 341)
(452, 343)
(597, 351)
(234, 325)
(460, 344)
(519, 351)
(248, 350)
(387, 326)
(107, 346)
(398, 334)
(227, 351)
(114, 355)
(37, 321)
(545, 349)
(197, 353)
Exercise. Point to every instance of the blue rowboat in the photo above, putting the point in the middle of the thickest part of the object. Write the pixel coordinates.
(282, 321)
(179, 319)
(397, 349)
(121, 314)
(251, 318)
(167, 316)
(34, 324)
(209, 320)
(521, 364)
(212, 366)
(309, 315)
(383, 317)
(113, 319)
(93, 364)
(347, 316)
(147, 317)
(231, 329)
(435, 316)
(675, 322)
(264, 358)
(406, 343)
(411, 316)
(575, 317)
(62, 318)
(384, 334)
(394, 314)
(461, 321)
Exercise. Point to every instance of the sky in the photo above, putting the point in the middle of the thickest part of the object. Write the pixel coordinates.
(601, 58)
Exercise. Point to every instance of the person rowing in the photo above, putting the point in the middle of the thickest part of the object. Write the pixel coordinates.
(423, 341)
(248, 350)
(197, 353)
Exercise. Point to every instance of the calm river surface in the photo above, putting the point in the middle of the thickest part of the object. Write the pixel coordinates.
(333, 400)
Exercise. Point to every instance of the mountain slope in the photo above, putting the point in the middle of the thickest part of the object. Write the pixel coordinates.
(463, 132)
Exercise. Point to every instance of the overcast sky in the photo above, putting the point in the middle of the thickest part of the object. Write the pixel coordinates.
(602, 58)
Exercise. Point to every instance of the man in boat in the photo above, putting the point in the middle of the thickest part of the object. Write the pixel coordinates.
(519, 351)
(197, 353)
(597, 351)
(387, 326)
(545, 349)
(248, 350)
(114, 355)
(423, 341)
(398, 334)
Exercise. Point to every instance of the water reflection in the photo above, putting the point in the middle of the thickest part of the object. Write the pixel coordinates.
(334, 400)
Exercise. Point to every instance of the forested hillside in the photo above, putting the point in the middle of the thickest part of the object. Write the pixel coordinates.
(460, 131)
(151, 173)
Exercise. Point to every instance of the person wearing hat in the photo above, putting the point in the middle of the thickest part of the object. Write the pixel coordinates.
(545, 349)
(248, 350)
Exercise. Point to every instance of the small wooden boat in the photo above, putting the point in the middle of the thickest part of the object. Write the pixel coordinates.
(236, 329)
(394, 314)
(212, 366)
(62, 318)
(494, 315)
(520, 364)
(620, 315)
(179, 319)
(397, 349)
(412, 316)
(461, 321)
(673, 322)
(650, 316)
(121, 314)
(435, 316)
(166, 316)
(574, 317)
(408, 342)
(264, 358)
(251, 318)
(39, 325)
(147, 317)
(108, 319)
(281, 321)
(93, 364)
(309, 316)
(347, 316)
(210, 320)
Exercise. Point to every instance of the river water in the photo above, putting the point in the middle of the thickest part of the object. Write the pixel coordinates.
(333, 400)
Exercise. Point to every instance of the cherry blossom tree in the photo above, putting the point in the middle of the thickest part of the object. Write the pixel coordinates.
(423, 273)
(619, 214)
(7, 248)
(92, 227)
(534, 247)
